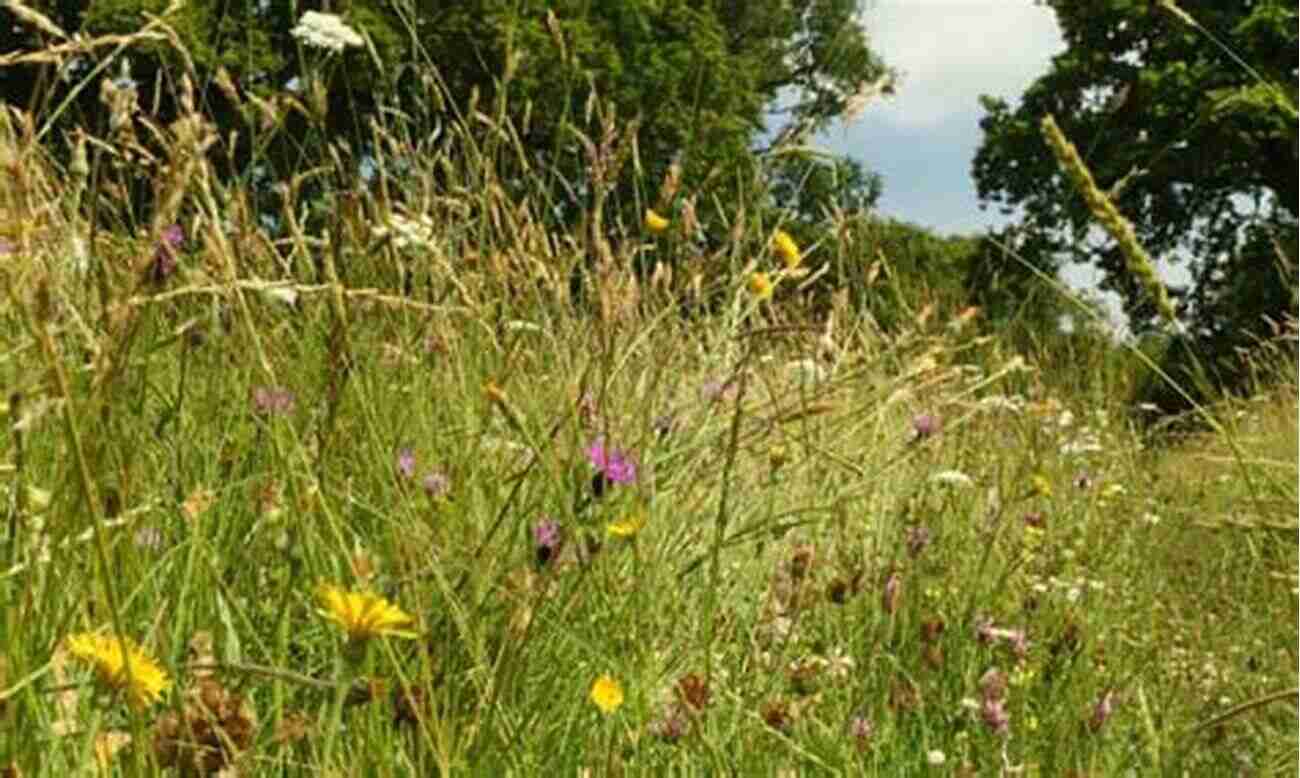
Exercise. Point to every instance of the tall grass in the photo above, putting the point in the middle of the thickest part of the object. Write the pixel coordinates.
(845, 549)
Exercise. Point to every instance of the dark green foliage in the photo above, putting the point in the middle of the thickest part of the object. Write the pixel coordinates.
(1011, 297)
(812, 188)
(698, 78)
(894, 269)
(1222, 353)
(1197, 150)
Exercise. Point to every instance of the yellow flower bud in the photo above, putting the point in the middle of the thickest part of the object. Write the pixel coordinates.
(654, 222)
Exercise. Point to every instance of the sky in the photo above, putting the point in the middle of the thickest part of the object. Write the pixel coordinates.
(923, 139)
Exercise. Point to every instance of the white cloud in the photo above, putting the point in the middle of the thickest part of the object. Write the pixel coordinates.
(952, 51)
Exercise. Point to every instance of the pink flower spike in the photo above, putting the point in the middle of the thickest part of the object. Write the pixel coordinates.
(1102, 711)
(995, 716)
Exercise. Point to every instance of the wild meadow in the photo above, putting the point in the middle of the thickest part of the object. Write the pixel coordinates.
(407, 480)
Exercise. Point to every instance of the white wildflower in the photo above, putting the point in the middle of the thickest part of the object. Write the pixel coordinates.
(839, 664)
(951, 478)
(408, 232)
(1087, 444)
(326, 31)
(936, 757)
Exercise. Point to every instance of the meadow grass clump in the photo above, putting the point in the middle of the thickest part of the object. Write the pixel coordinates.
(388, 492)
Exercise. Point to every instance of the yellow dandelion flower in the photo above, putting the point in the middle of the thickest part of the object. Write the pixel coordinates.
(121, 665)
(363, 615)
(654, 222)
(1039, 486)
(606, 694)
(627, 526)
(786, 249)
(760, 286)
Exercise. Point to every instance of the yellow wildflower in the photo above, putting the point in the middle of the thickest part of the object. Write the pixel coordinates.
(606, 694)
(760, 286)
(786, 249)
(1039, 486)
(627, 526)
(122, 666)
(495, 394)
(654, 222)
(363, 615)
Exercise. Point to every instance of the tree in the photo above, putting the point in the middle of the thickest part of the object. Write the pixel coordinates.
(812, 187)
(1197, 148)
(699, 78)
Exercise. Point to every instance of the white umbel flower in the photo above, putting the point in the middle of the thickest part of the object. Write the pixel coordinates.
(951, 478)
(326, 31)
(408, 232)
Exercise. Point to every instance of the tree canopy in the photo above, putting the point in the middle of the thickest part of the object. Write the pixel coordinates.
(703, 80)
(1186, 116)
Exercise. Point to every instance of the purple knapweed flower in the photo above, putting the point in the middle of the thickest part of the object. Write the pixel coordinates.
(406, 462)
(164, 256)
(926, 425)
(612, 466)
(272, 400)
(547, 538)
(435, 484)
